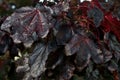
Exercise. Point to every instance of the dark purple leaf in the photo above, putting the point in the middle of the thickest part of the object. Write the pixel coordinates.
(5, 42)
(38, 60)
(26, 25)
(13, 51)
(118, 13)
(60, 7)
(54, 59)
(64, 34)
(107, 5)
(84, 46)
(82, 59)
(114, 45)
(73, 46)
(97, 15)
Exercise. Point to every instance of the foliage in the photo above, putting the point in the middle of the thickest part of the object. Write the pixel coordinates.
(62, 40)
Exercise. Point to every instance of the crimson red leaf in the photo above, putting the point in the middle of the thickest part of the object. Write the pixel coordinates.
(111, 23)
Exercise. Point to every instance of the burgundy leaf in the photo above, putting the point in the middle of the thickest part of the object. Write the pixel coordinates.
(111, 23)
(84, 7)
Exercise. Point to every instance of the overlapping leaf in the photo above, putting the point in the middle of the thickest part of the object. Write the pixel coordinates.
(108, 22)
(72, 46)
(36, 61)
(85, 48)
(111, 23)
